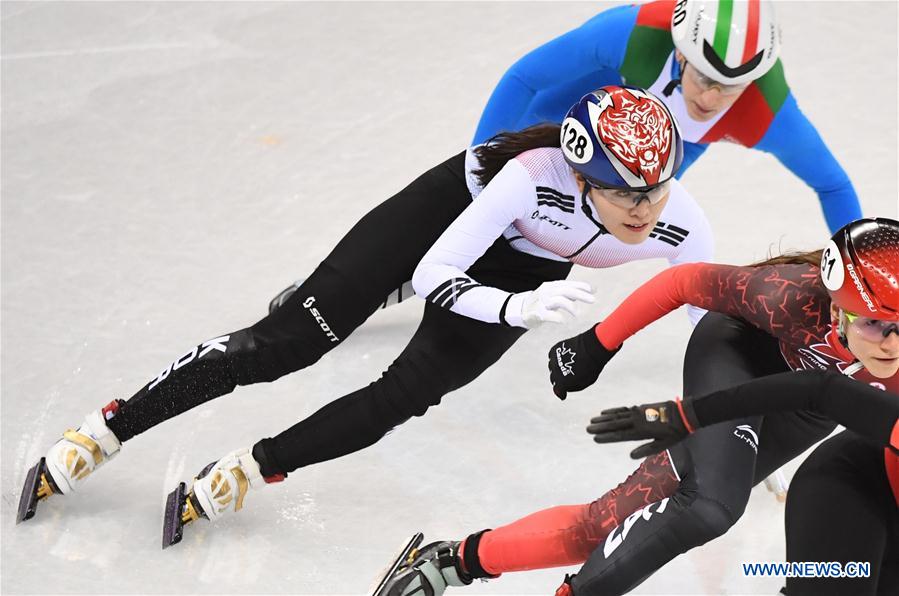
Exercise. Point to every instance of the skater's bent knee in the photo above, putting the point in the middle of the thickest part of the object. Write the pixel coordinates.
(408, 389)
(710, 519)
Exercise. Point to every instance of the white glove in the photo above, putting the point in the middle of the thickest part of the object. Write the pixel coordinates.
(549, 302)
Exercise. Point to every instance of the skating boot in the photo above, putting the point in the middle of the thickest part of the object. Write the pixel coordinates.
(221, 487)
(70, 461)
(395, 297)
(425, 571)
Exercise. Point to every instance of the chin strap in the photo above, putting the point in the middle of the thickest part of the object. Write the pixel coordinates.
(853, 368)
(839, 327)
(601, 228)
(588, 212)
(674, 83)
(670, 87)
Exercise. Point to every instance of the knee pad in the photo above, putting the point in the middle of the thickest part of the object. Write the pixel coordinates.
(238, 358)
(225, 356)
(707, 519)
(687, 520)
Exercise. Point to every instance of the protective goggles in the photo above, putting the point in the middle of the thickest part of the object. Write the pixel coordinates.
(628, 199)
(871, 329)
(705, 83)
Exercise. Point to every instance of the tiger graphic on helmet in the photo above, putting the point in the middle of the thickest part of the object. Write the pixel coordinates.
(622, 137)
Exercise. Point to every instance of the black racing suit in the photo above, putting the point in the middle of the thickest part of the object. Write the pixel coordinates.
(842, 506)
(777, 319)
(375, 257)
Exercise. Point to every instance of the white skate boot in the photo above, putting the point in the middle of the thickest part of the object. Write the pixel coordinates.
(222, 485)
(424, 571)
(220, 488)
(69, 462)
(75, 457)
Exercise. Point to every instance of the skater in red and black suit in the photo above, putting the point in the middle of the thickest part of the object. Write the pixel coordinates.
(813, 311)
(843, 504)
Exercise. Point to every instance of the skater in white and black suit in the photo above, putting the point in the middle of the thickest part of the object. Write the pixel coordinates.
(490, 236)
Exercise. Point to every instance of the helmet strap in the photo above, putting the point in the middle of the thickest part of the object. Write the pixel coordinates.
(840, 327)
(676, 76)
(586, 208)
(670, 87)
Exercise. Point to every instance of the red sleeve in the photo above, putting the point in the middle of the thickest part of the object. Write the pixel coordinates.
(780, 299)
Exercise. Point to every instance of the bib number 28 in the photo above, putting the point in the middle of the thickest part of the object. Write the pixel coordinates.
(576, 143)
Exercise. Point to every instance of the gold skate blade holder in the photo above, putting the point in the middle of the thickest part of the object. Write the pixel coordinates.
(44, 490)
(190, 513)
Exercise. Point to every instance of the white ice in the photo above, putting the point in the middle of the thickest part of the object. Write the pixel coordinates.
(168, 167)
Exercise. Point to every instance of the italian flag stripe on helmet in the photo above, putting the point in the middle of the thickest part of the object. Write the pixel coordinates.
(722, 28)
(752, 32)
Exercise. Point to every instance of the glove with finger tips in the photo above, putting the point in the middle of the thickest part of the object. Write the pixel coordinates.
(575, 363)
(667, 422)
(550, 302)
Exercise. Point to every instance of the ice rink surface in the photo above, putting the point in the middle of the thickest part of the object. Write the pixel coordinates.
(166, 168)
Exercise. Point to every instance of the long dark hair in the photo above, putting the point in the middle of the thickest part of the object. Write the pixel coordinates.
(504, 146)
(812, 257)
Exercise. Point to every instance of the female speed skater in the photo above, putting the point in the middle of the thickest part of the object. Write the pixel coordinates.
(715, 63)
(490, 235)
(793, 312)
(843, 504)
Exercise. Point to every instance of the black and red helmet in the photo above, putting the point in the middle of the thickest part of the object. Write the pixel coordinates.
(860, 268)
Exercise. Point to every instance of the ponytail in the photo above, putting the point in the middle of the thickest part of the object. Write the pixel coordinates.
(793, 258)
(502, 147)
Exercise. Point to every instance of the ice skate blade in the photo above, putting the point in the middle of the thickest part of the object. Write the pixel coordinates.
(173, 523)
(31, 491)
(401, 558)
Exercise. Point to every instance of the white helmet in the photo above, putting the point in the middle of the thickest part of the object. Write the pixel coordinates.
(732, 42)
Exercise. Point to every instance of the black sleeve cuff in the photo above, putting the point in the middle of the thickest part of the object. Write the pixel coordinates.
(502, 312)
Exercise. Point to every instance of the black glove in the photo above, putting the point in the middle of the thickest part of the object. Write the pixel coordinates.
(575, 363)
(663, 421)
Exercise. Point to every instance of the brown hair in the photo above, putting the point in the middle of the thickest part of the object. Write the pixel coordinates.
(502, 147)
(793, 258)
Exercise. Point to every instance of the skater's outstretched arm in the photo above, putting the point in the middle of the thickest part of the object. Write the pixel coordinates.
(441, 275)
(751, 293)
(795, 142)
(869, 411)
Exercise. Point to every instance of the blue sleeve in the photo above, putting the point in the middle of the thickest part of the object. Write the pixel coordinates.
(793, 140)
(598, 44)
(691, 152)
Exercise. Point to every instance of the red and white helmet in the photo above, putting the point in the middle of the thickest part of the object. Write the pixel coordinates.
(731, 42)
(860, 268)
(622, 137)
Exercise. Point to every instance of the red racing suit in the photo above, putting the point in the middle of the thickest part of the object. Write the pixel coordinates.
(787, 301)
